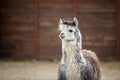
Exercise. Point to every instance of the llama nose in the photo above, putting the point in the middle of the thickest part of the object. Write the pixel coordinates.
(62, 35)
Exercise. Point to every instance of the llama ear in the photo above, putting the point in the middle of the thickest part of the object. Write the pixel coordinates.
(75, 21)
(61, 21)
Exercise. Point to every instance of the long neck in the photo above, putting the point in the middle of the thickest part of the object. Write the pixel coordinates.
(72, 51)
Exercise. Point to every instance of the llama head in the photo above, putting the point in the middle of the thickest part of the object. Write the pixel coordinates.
(69, 31)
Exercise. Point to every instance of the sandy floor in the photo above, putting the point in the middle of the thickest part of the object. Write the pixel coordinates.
(45, 70)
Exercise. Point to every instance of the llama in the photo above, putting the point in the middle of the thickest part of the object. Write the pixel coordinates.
(76, 64)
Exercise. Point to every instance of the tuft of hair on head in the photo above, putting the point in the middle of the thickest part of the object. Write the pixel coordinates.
(74, 22)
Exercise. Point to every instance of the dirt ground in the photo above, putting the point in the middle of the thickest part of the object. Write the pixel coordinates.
(46, 70)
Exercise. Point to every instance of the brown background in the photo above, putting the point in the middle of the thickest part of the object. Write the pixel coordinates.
(28, 28)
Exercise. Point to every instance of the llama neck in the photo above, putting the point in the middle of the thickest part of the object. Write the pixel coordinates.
(72, 51)
(68, 44)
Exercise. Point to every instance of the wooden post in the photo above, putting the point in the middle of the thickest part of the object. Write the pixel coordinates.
(75, 8)
(118, 30)
(36, 33)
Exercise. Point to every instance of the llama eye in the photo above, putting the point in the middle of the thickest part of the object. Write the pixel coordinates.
(70, 30)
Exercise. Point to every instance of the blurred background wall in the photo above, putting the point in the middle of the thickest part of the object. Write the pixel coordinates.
(28, 28)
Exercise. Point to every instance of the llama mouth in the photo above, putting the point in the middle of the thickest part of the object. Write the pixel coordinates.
(69, 40)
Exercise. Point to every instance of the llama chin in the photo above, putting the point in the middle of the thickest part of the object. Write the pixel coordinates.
(76, 64)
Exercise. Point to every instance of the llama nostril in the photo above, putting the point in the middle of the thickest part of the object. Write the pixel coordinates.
(62, 35)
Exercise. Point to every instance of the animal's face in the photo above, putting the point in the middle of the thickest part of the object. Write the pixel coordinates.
(68, 30)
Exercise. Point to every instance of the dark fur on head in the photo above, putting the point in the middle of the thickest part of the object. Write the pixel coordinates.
(70, 23)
